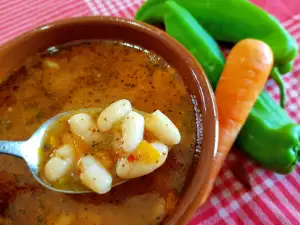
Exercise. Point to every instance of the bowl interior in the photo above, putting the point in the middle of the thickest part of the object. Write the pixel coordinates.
(14, 53)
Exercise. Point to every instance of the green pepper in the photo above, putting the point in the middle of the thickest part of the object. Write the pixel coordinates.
(211, 57)
(267, 123)
(285, 68)
(231, 21)
(270, 137)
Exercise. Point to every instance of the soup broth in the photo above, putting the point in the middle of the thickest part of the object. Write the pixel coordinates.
(93, 75)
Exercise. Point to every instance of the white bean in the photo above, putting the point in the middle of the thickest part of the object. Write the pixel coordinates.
(65, 152)
(112, 114)
(81, 124)
(162, 128)
(132, 131)
(129, 170)
(60, 163)
(160, 147)
(94, 175)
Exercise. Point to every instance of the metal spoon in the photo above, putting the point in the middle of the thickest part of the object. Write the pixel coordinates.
(29, 150)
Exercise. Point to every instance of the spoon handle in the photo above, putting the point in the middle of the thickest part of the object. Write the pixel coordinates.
(11, 148)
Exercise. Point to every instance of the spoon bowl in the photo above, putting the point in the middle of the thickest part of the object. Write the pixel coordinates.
(29, 150)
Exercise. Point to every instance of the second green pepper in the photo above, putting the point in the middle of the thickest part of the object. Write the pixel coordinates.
(211, 58)
(231, 21)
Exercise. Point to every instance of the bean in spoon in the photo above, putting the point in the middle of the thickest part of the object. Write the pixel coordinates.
(29, 151)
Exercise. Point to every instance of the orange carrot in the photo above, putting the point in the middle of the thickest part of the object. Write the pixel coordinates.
(247, 68)
(246, 71)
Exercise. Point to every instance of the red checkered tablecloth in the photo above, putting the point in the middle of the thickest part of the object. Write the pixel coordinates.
(274, 199)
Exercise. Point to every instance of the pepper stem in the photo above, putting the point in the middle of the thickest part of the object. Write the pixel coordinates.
(280, 82)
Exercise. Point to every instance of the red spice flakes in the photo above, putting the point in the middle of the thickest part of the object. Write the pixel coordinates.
(131, 158)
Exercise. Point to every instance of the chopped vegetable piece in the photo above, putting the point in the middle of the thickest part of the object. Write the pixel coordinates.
(147, 153)
(54, 142)
(131, 158)
(131, 169)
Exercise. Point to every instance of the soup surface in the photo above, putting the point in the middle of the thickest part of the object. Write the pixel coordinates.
(93, 75)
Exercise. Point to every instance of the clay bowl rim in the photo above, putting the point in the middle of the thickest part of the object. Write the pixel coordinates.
(195, 194)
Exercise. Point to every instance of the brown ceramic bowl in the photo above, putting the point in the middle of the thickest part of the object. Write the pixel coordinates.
(14, 53)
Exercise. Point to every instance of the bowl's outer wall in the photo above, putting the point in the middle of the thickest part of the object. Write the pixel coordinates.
(14, 53)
